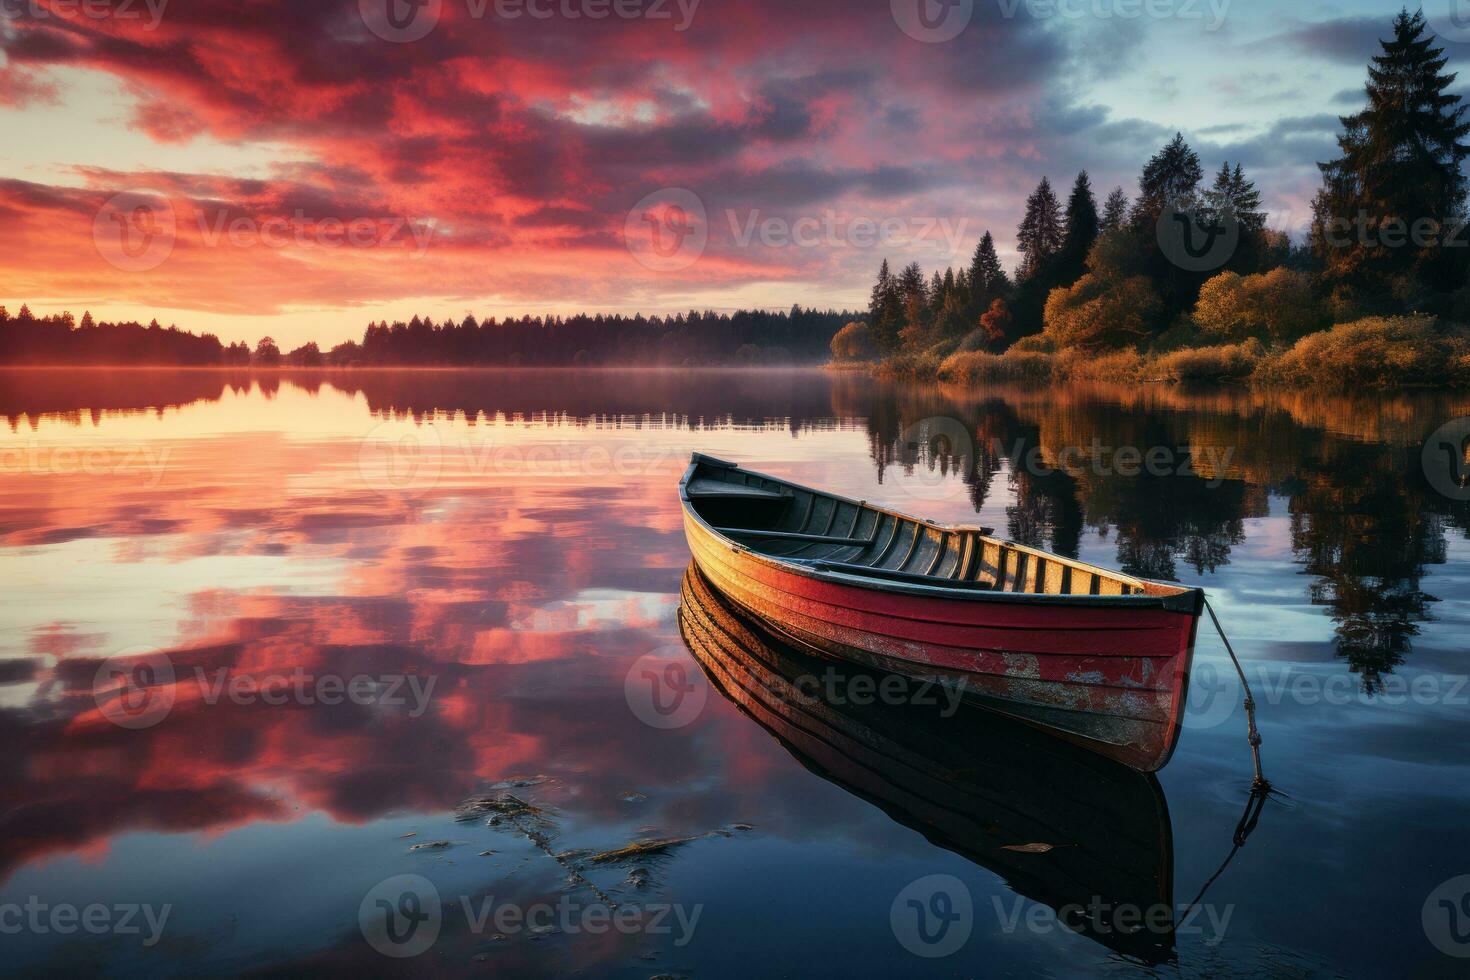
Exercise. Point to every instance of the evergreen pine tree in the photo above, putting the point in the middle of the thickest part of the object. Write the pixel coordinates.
(1115, 211)
(911, 284)
(1401, 164)
(881, 290)
(886, 311)
(988, 280)
(1232, 196)
(1081, 232)
(913, 294)
(1170, 179)
(1039, 237)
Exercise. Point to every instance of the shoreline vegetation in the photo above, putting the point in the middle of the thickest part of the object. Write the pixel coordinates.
(1375, 353)
(1187, 283)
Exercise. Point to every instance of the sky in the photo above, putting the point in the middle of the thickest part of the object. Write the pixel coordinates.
(299, 168)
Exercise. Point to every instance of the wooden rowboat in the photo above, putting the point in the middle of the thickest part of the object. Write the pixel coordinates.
(1094, 656)
(1063, 827)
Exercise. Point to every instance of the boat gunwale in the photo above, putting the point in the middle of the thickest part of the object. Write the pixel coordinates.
(1188, 600)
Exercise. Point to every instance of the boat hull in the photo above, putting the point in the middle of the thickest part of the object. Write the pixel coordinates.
(969, 781)
(1112, 678)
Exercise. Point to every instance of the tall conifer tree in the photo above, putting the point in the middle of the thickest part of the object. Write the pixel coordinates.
(1401, 164)
(1040, 236)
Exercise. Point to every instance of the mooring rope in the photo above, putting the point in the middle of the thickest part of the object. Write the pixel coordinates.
(1253, 734)
(1260, 786)
(1247, 825)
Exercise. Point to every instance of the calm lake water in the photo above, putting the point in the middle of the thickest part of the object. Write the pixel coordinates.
(268, 644)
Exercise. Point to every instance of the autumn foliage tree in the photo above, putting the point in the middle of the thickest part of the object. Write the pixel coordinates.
(854, 342)
(1111, 307)
(1277, 306)
(996, 325)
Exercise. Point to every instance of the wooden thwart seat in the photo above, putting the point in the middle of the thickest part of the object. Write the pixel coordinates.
(890, 573)
(742, 532)
(731, 491)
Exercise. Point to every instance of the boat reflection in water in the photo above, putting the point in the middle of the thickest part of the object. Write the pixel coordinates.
(969, 781)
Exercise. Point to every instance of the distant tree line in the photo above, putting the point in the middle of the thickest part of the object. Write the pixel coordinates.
(61, 339)
(1190, 261)
(744, 337)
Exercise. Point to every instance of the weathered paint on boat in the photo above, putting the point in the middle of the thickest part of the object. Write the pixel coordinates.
(977, 784)
(1094, 656)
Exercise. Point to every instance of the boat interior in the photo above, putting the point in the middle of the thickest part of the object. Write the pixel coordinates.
(797, 524)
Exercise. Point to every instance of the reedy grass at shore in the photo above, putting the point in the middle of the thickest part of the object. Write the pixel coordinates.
(1377, 353)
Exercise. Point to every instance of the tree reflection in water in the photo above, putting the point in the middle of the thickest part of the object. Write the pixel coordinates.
(1365, 523)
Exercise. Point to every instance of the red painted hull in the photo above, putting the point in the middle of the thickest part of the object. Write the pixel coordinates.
(1111, 678)
(937, 771)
